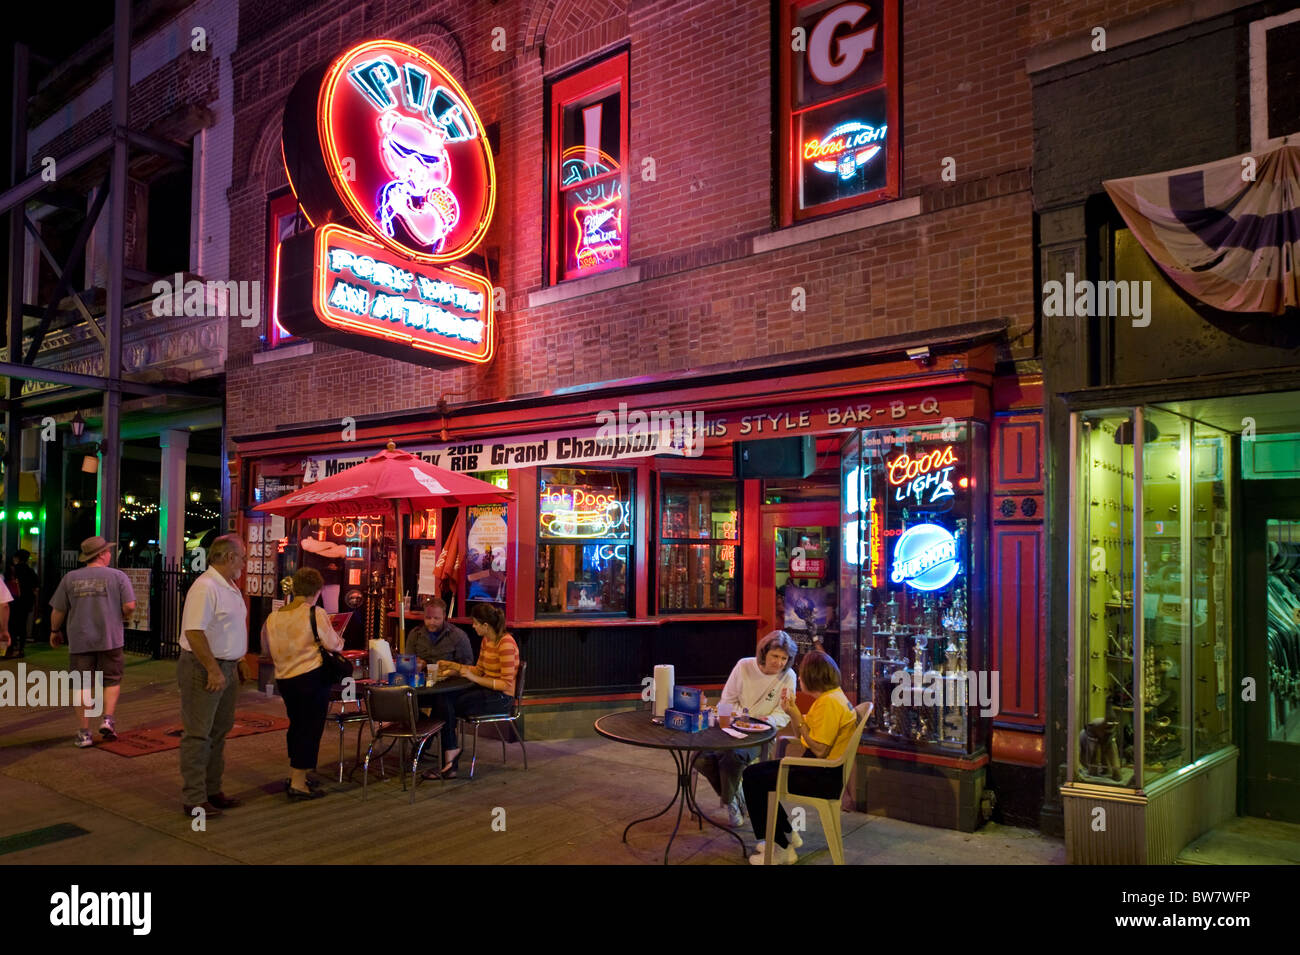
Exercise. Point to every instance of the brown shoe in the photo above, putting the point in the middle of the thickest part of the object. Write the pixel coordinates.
(208, 808)
(222, 801)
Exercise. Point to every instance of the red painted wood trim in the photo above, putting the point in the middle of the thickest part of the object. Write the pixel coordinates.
(929, 759)
(521, 599)
(864, 380)
(1017, 621)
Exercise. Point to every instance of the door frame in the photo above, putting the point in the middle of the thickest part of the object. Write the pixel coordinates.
(1262, 789)
(791, 514)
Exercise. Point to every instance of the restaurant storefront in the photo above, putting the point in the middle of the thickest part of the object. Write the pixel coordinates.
(1173, 412)
(676, 522)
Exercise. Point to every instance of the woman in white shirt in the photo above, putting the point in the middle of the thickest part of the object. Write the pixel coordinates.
(755, 684)
(287, 636)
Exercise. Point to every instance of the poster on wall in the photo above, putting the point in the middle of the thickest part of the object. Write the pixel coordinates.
(140, 583)
(809, 609)
(485, 553)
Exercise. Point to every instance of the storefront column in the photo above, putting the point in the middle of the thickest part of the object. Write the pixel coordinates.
(172, 496)
(1062, 250)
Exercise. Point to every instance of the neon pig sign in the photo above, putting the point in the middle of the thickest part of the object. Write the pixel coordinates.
(391, 164)
(925, 558)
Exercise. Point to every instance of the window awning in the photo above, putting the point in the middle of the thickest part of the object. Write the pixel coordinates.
(1227, 232)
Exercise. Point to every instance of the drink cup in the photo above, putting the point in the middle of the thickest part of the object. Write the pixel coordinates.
(724, 715)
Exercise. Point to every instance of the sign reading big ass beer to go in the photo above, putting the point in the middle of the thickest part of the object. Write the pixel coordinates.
(391, 166)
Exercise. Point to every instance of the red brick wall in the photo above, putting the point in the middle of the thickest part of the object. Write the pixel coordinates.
(701, 106)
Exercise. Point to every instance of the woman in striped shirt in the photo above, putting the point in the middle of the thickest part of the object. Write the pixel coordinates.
(498, 661)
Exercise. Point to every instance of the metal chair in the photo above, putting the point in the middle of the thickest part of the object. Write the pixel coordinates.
(393, 715)
(827, 809)
(511, 717)
(344, 719)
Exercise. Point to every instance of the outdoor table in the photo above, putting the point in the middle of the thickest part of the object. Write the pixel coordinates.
(634, 727)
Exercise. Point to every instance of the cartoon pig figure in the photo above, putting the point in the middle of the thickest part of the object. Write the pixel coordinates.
(415, 153)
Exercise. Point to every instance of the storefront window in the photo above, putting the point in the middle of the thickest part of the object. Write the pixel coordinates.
(1211, 595)
(584, 541)
(913, 549)
(589, 143)
(1152, 567)
(698, 545)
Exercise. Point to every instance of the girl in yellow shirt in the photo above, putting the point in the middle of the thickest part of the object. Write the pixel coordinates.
(825, 732)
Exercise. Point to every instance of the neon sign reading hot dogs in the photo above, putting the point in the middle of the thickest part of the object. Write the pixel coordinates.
(582, 512)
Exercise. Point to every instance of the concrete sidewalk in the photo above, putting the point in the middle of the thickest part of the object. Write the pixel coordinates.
(568, 807)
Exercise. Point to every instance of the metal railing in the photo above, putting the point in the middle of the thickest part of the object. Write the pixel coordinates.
(168, 584)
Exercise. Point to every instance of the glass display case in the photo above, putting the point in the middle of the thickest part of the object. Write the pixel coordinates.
(1151, 651)
(912, 592)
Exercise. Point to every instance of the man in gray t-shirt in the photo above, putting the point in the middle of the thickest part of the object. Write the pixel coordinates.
(95, 601)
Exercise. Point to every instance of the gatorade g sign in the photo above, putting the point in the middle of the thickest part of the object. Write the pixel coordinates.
(384, 149)
(839, 130)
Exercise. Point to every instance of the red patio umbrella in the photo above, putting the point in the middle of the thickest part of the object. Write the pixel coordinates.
(392, 482)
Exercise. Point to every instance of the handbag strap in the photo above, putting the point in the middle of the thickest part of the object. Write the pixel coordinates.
(311, 613)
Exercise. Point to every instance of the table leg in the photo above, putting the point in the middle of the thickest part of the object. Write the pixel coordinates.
(695, 808)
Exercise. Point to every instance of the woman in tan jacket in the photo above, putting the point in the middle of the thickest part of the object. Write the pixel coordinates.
(287, 636)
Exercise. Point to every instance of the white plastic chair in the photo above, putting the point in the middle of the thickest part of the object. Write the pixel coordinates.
(827, 809)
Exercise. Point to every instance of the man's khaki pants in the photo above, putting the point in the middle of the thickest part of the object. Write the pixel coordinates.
(206, 717)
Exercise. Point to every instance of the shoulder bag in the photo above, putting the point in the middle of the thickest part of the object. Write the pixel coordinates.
(336, 666)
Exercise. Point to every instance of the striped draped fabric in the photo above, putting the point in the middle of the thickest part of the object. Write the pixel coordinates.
(1227, 239)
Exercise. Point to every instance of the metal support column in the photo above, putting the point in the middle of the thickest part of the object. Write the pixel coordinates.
(14, 303)
(110, 467)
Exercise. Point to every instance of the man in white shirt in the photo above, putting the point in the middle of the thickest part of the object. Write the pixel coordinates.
(214, 639)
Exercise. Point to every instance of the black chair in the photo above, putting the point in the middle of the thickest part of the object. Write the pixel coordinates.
(511, 717)
(394, 716)
(345, 718)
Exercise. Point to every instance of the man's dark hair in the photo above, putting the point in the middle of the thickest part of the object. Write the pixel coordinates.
(22, 555)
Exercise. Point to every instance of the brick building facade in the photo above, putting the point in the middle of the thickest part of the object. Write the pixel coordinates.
(713, 286)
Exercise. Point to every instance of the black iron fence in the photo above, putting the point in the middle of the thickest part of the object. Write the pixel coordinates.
(160, 588)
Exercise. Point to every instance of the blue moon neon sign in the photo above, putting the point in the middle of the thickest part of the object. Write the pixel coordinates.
(925, 558)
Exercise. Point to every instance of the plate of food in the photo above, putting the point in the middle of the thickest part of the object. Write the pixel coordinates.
(749, 726)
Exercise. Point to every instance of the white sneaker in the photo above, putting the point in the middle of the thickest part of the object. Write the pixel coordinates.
(734, 818)
(796, 842)
(84, 739)
(780, 856)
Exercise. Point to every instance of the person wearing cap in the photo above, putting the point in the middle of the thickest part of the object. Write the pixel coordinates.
(214, 639)
(95, 602)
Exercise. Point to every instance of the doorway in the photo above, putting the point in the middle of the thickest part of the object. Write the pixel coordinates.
(799, 573)
(1271, 743)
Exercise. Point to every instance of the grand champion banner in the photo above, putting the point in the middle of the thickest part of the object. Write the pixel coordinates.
(626, 435)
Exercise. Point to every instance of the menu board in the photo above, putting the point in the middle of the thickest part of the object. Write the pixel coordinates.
(140, 578)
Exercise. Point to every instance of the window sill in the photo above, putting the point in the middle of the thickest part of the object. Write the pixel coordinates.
(838, 225)
(299, 350)
(576, 288)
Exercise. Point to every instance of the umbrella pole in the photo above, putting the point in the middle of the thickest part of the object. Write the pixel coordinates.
(401, 603)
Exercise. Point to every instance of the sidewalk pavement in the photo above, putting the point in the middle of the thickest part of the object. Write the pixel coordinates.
(63, 805)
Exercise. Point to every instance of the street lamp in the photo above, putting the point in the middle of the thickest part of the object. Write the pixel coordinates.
(78, 425)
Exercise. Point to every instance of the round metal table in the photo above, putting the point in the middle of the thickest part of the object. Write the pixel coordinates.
(634, 727)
